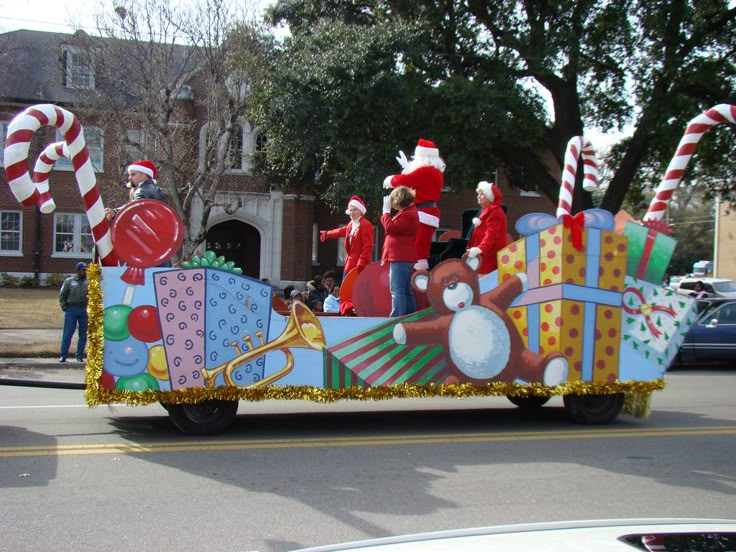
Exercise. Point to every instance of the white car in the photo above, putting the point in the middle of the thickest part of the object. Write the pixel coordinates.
(623, 535)
(715, 287)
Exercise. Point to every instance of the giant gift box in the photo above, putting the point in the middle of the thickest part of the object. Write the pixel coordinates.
(372, 359)
(650, 250)
(573, 304)
(208, 317)
(656, 320)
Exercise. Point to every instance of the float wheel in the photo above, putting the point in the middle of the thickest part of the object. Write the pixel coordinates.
(528, 403)
(206, 418)
(594, 409)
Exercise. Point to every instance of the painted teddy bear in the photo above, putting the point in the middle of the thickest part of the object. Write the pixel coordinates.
(479, 339)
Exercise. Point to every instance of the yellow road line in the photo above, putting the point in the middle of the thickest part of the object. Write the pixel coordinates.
(374, 440)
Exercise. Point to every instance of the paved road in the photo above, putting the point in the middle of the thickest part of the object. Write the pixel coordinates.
(291, 475)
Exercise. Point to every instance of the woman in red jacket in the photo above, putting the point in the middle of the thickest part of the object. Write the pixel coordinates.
(399, 247)
(358, 236)
(489, 235)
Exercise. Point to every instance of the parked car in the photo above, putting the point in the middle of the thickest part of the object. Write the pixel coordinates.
(715, 287)
(627, 535)
(674, 282)
(712, 338)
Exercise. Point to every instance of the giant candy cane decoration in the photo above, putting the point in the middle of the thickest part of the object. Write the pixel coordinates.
(41, 170)
(693, 133)
(17, 145)
(577, 146)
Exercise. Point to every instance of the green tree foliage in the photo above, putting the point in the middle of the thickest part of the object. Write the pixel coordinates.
(359, 80)
(692, 224)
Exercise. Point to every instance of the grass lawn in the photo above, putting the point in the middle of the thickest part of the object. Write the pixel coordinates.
(30, 308)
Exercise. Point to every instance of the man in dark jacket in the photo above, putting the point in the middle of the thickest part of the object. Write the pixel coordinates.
(142, 179)
(73, 301)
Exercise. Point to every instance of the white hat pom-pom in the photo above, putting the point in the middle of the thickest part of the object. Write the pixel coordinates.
(476, 222)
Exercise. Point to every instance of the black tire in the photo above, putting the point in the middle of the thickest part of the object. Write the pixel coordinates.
(594, 409)
(528, 403)
(205, 418)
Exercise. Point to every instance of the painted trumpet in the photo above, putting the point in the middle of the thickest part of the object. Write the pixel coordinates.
(303, 331)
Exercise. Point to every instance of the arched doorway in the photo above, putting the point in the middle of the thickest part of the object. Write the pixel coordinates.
(238, 242)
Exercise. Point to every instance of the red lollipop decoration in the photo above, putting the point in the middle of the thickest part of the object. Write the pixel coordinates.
(146, 233)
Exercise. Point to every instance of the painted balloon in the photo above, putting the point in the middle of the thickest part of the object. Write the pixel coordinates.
(141, 382)
(115, 322)
(157, 365)
(125, 358)
(146, 233)
(143, 323)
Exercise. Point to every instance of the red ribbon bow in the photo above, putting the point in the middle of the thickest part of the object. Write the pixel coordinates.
(575, 224)
(646, 309)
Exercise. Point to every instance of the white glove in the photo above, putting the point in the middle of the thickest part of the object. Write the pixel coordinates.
(473, 252)
(387, 182)
(403, 161)
(421, 264)
(387, 204)
(476, 222)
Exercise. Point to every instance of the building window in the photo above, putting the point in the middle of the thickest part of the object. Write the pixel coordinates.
(235, 151)
(72, 235)
(261, 143)
(94, 138)
(243, 145)
(11, 230)
(3, 136)
(78, 72)
(135, 143)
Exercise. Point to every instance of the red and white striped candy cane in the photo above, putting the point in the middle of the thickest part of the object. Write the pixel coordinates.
(17, 145)
(693, 133)
(577, 146)
(41, 170)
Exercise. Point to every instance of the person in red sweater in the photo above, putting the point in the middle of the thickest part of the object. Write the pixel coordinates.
(358, 234)
(489, 234)
(423, 175)
(399, 248)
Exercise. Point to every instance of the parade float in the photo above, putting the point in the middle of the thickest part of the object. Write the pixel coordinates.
(575, 309)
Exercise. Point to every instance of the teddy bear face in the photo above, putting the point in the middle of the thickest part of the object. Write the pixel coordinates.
(450, 287)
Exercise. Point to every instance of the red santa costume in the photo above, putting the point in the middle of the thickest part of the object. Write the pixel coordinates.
(489, 234)
(423, 175)
(358, 234)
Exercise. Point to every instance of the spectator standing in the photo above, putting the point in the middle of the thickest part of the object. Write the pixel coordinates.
(317, 290)
(489, 234)
(73, 301)
(358, 234)
(332, 303)
(399, 247)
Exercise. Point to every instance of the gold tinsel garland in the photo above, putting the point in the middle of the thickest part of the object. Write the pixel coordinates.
(637, 401)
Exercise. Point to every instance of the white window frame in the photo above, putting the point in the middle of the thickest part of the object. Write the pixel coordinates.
(78, 74)
(247, 155)
(94, 138)
(11, 252)
(79, 221)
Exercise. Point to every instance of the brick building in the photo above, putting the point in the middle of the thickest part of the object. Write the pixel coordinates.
(271, 234)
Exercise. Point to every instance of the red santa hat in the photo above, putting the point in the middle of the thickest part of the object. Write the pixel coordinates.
(358, 203)
(488, 188)
(144, 166)
(425, 148)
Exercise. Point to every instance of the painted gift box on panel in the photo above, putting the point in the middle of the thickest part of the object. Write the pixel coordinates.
(576, 271)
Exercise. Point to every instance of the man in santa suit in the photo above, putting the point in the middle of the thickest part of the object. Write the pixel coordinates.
(424, 175)
(358, 234)
(489, 233)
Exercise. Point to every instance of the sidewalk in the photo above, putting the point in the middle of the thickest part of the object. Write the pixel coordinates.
(44, 343)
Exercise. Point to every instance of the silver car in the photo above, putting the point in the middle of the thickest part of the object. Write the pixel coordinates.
(622, 535)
